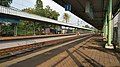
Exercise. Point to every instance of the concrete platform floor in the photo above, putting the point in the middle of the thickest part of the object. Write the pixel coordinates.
(89, 53)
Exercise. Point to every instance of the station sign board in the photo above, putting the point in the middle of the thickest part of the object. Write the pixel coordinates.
(67, 7)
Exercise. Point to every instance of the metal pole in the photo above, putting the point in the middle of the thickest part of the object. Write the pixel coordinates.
(72, 30)
(118, 31)
(106, 26)
(103, 31)
(109, 43)
(15, 30)
(0, 29)
(34, 28)
(75, 30)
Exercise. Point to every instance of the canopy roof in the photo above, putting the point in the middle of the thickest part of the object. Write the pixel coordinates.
(14, 16)
(78, 7)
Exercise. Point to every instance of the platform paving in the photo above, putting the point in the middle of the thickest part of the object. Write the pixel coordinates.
(89, 53)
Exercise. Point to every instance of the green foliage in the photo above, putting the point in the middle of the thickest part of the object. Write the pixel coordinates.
(5, 3)
(26, 27)
(39, 8)
(55, 15)
(40, 12)
(39, 4)
(49, 13)
(29, 10)
(7, 29)
(46, 12)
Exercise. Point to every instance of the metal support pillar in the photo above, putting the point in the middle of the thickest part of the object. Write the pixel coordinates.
(103, 31)
(118, 31)
(106, 28)
(110, 22)
(15, 30)
(25, 28)
(66, 30)
(109, 43)
(76, 30)
(73, 30)
(0, 29)
(34, 28)
(60, 29)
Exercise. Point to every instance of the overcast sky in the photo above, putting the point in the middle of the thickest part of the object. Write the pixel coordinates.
(21, 4)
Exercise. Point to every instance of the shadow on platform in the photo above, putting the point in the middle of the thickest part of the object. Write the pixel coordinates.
(78, 54)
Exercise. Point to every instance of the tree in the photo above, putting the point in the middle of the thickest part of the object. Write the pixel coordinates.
(39, 8)
(39, 4)
(29, 10)
(55, 15)
(5, 3)
(66, 17)
(49, 13)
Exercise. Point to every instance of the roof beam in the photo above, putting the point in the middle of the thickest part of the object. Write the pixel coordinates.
(80, 4)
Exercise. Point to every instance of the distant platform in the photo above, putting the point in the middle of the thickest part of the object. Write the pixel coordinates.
(31, 37)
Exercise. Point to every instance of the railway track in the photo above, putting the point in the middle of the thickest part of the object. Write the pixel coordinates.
(29, 47)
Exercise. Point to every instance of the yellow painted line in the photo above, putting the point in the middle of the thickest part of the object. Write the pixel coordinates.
(14, 61)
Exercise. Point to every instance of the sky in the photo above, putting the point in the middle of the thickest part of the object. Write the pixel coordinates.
(74, 20)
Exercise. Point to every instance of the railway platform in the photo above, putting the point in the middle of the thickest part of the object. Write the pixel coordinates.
(32, 37)
(83, 52)
(84, 48)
